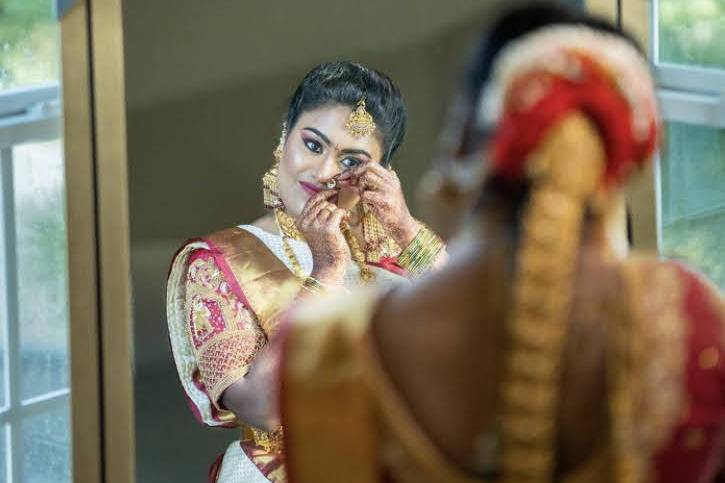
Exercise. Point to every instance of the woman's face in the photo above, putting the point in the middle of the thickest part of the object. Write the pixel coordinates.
(319, 147)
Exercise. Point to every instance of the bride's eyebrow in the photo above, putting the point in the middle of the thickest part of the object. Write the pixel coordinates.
(327, 141)
(322, 136)
(356, 151)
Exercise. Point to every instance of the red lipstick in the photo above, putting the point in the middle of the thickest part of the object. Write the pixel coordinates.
(310, 188)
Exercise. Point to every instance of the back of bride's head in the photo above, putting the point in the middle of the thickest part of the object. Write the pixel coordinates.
(539, 66)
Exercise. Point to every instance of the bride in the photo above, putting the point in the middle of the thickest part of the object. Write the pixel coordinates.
(336, 217)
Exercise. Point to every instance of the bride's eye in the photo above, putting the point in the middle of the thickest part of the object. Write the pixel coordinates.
(350, 162)
(313, 146)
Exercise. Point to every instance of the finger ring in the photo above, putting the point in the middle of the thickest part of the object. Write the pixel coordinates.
(331, 183)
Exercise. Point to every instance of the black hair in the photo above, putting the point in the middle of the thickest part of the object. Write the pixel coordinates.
(344, 82)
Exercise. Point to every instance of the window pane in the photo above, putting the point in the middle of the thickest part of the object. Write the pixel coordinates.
(41, 258)
(693, 199)
(692, 32)
(4, 457)
(3, 308)
(28, 44)
(3, 322)
(46, 446)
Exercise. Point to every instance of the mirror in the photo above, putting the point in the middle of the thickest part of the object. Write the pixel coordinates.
(206, 87)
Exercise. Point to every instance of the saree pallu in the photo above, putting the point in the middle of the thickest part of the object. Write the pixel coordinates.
(225, 296)
(345, 422)
(216, 328)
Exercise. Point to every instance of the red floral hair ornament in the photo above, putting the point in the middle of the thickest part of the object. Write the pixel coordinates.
(549, 74)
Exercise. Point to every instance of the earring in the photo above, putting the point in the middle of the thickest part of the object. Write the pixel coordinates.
(270, 180)
(270, 189)
(278, 151)
(280, 146)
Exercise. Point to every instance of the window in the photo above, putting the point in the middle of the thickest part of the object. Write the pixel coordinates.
(35, 440)
(690, 69)
(690, 32)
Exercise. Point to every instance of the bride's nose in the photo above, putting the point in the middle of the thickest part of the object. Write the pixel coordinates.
(326, 170)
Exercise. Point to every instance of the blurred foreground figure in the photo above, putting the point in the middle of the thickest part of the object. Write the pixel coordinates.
(544, 351)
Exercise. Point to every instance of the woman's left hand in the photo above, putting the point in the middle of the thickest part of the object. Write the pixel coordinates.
(381, 191)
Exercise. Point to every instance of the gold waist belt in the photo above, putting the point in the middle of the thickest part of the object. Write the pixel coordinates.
(268, 441)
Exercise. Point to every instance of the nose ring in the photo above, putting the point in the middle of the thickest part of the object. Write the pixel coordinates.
(330, 184)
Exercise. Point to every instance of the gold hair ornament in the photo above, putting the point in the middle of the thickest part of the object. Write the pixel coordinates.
(566, 171)
(360, 123)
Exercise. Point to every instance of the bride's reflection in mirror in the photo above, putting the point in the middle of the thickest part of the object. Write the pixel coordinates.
(207, 99)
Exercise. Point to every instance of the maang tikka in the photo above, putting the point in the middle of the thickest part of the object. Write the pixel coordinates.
(270, 180)
(361, 122)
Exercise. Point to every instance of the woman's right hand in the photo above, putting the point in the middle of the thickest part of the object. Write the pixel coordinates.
(319, 223)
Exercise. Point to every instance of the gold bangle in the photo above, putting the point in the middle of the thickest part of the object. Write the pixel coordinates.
(421, 252)
(313, 285)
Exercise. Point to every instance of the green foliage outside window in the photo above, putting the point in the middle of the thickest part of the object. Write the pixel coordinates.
(28, 43)
(692, 32)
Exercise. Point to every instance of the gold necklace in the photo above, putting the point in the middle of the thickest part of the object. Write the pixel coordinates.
(378, 244)
(357, 254)
(288, 228)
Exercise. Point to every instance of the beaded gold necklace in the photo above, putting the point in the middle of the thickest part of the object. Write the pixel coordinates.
(288, 230)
